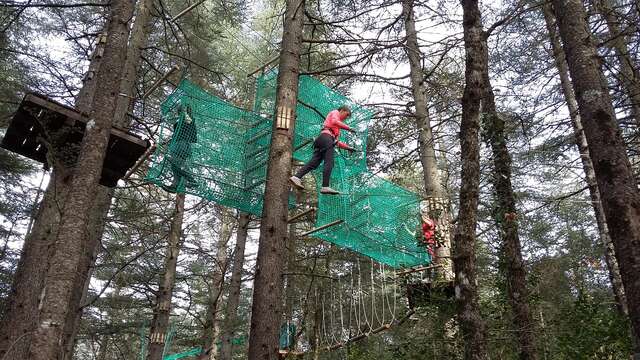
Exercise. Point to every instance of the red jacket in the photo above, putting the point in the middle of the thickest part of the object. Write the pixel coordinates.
(428, 233)
(332, 125)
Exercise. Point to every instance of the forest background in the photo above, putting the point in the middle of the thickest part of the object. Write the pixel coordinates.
(360, 49)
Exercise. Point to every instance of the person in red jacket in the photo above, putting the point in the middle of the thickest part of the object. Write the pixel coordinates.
(323, 149)
(429, 235)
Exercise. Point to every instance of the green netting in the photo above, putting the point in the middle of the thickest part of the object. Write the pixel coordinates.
(219, 152)
(380, 218)
(189, 353)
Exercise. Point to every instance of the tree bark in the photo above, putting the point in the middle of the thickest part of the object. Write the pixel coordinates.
(103, 349)
(587, 164)
(139, 37)
(620, 195)
(59, 282)
(471, 323)
(289, 290)
(19, 321)
(85, 96)
(506, 217)
(99, 210)
(235, 286)
(267, 295)
(432, 181)
(628, 73)
(211, 331)
(140, 32)
(162, 311)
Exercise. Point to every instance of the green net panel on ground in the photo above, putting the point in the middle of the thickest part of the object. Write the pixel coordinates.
(211, 149)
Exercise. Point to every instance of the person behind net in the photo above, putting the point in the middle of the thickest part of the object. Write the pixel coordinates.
(323, 149)
(184, 135)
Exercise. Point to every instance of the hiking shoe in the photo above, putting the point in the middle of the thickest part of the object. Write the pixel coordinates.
(329, 191)
(296, 182)
(170, 189)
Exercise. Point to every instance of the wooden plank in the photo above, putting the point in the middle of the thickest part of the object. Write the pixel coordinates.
(261, 134)
(38, 114)
(140, 161)
(333, 223)
(159, 82)
(264, 66)
(417, 269)
(381, 328)
(130, 138)
(74, 115)
(298, 216)
(56, 107)
(374, 331)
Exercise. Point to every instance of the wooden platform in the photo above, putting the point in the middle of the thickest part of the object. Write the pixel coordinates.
(39, 119)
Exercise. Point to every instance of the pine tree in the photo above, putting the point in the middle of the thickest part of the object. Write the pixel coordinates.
(432, 181)
(162, 310)
(60, 278)
(587, 163)
(267, 294)
(235, 285)
(211, 330)
(464, 259)
(620, 195)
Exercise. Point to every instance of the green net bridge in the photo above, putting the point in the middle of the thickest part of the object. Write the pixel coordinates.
(209, 148)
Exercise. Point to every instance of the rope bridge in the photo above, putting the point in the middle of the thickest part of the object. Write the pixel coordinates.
(354, 300)
(214, 150)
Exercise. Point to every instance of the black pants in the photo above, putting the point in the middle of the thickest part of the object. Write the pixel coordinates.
(322, 151)
(179, 157)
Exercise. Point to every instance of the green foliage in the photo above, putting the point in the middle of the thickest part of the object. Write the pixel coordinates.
(591, 329)
(218, 43)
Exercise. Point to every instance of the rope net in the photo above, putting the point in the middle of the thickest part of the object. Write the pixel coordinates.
(212, 149)
(349, 300)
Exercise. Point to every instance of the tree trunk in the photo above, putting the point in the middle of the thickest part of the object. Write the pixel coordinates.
(315, 342)
(103, 349)
(432, 181)
(99, 211)
(587, 164)
(506, 217)
(19, 321)
(289, 290)
(211, 332)
(235, 286)
(162, 311)
(628, 72)
(139, 37)
(85, 96)
(59, 282)
(267, 295)
(140, 32)
(620, 195)
(471, 323)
